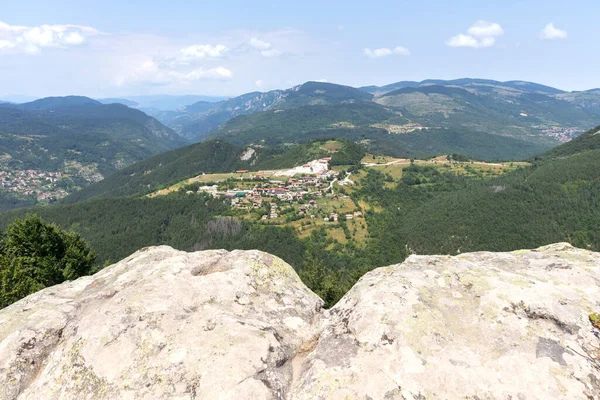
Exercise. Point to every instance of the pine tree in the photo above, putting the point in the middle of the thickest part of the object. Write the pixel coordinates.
(35, 255)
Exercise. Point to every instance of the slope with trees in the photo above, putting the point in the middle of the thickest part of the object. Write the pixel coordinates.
(79, 138)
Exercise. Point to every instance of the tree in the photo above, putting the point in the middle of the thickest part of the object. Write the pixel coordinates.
(35, 255)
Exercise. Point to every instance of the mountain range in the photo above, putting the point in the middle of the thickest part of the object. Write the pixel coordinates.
(520, 110)
(88, 140)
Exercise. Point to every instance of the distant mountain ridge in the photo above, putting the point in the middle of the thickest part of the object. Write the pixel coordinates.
(370, 124)
(521, 85)
(523, 110)
(197, 120)
(161, 102)
(57, 103)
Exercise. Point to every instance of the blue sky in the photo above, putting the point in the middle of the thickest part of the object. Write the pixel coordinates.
(118, 48)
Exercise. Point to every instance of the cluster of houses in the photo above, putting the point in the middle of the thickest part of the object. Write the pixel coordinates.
(42, 184)
(292, 189)
(304, 184)
(334, 217)
(562, 134)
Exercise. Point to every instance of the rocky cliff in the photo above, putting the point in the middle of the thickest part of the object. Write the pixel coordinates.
(241, 325)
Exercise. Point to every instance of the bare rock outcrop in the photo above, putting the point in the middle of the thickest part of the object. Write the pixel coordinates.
(161, 324)
(166, 324)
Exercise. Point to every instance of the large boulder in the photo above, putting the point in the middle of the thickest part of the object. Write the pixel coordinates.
(161, 324)
(475, 326)
(241, 325)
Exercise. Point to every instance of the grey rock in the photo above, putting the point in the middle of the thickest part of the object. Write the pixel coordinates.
(161, 324)
(241, 325)
(489, 326)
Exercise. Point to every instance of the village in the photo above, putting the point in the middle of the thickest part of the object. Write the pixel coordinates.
(285, 196)
(562, 134)
(43, 185)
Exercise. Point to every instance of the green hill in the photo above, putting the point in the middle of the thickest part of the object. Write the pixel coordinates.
(47, 132)
(556, 199)
(505, 111)
(368, 123)
(588, 141)
(197, 120)
(207, 157)
(57, 103)
(211, 156)
(78, 138)
(273, 128)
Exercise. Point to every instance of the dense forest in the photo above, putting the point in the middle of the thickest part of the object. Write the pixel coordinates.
(363, 122)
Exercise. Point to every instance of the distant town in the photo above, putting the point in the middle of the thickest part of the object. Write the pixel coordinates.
(43, 185)
(562, 134)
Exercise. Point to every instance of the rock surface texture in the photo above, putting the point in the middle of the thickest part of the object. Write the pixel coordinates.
(166, 324)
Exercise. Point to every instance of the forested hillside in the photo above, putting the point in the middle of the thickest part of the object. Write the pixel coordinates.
(367, 123)
(502, 111)
(44, 133)
(556, 199)
(54, 146)
(520, 110)
(588, 141)
(212, 156)
(118, 227)
(197, 120)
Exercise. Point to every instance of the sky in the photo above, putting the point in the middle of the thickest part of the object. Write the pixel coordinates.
(113, 48)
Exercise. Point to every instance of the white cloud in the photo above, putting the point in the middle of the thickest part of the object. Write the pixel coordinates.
(479, 35)
(6, 44)
(384, 52)
(266, 49)
(260, 83)
(462, 40)
(199, 51)
(151, 72)
(74, 38)
(32, 40)
(550, 32)
(203, 73)
(259, 44)
(485, 29)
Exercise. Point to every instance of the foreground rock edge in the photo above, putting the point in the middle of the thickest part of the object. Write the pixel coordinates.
(215, 324)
